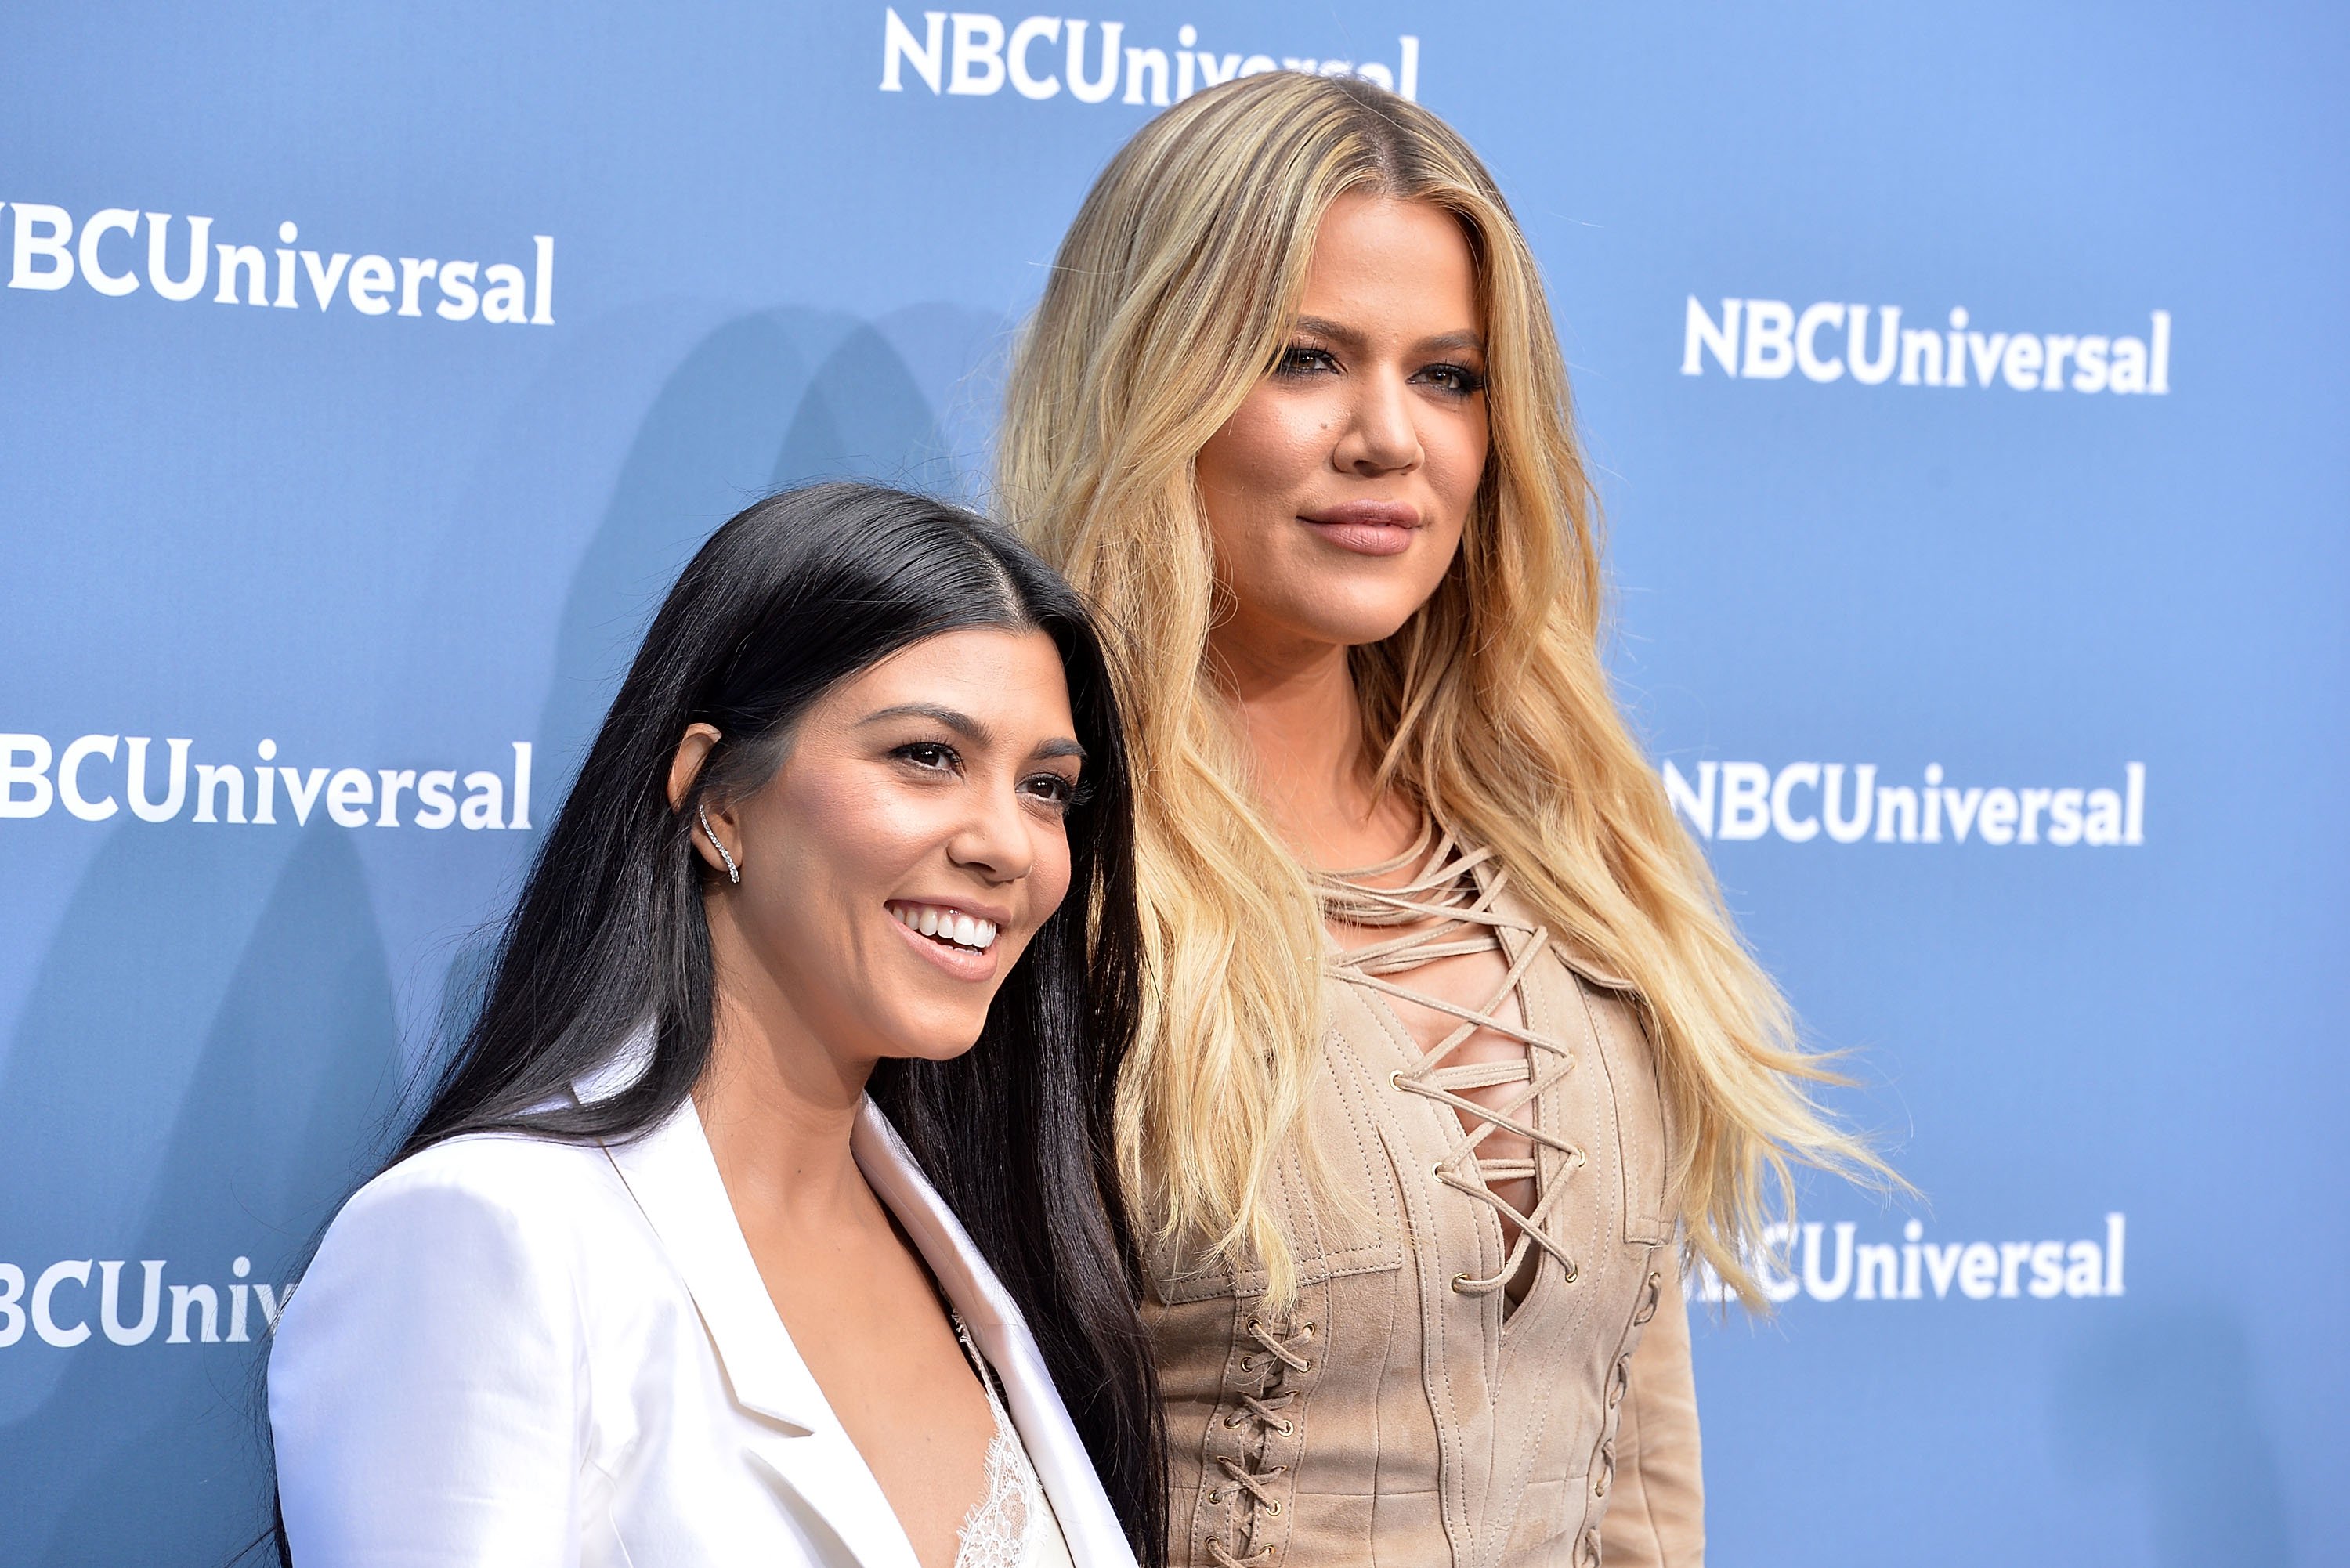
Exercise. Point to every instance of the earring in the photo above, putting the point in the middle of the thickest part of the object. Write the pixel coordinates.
(734, 872)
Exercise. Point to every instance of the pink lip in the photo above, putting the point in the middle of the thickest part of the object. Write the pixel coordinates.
(956, 962)
(1366, 527)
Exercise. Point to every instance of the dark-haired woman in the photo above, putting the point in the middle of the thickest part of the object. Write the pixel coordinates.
(760, 1217)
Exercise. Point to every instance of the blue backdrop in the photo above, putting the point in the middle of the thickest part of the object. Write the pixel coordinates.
(1996, 647)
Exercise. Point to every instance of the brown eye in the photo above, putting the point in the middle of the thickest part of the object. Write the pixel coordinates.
(1457, 380)
(930, 756)
(1052, 790)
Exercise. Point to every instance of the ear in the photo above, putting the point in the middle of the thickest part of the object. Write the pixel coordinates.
(685, 767)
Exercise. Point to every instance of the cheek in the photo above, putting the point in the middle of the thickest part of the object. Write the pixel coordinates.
(1456, 460)
(844, 843)
(1263, 457)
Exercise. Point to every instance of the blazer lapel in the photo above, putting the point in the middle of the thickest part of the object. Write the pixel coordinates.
(1090, 1525)
(790, 1426)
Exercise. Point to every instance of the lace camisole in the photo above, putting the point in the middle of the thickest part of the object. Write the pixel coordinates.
(1012, 1524)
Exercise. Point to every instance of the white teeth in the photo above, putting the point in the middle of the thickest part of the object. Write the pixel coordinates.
(947, 925)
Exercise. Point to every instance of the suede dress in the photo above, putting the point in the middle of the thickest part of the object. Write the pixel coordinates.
(1434, 1395)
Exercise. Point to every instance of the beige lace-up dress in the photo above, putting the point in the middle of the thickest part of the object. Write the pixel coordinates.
(1488, 1362)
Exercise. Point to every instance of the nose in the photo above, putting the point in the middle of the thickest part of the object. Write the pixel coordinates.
(994, 839)
(1381, 436)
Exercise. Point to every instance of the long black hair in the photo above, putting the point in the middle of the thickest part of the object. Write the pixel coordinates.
(785, 601)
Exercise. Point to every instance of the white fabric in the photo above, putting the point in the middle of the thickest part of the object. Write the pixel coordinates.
(1012, 1525)
(520, 1354)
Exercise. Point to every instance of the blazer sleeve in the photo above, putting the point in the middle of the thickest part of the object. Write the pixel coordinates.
(1657, 1518)
(428, 1385)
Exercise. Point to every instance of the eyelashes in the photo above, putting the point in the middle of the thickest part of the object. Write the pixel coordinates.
(1301, 359)
(1050, 788)
(1298, 361)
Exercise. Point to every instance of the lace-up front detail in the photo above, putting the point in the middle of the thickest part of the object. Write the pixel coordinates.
(1275, 1363)
(1453, 902)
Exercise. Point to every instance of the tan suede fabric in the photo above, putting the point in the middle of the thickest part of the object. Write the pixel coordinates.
(1392, 1418)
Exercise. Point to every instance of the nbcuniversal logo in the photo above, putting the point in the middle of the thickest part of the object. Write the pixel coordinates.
(95, 776)
(1804, 801)
(971, 54)
(1769, 339)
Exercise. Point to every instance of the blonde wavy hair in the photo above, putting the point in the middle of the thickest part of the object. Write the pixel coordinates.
(1171, 295)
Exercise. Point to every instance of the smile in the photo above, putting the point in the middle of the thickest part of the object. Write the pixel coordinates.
(949, 928)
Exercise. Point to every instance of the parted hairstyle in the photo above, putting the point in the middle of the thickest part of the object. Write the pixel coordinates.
(794, 596)
(1171, 297)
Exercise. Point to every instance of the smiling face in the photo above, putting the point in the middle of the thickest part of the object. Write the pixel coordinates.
(912, 843)
(1336, 494)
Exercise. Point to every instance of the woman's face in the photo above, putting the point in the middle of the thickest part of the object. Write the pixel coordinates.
(896, 865)
(1336, 494)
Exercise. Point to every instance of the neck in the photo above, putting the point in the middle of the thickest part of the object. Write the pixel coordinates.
(775, 1105)
(1300, 718)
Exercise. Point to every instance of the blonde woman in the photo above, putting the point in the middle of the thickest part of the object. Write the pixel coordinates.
(1450, 1054)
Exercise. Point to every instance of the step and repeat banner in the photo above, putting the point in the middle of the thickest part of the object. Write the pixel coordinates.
(1966, 389)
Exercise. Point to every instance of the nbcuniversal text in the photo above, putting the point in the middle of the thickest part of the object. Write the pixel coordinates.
(971, 54)
(1767, 339)
(95, 776)
(49, 251)
(1830, 1264)
(64, 1306)
(1800, 802)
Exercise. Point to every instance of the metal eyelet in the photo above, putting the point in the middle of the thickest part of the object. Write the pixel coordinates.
(1437, 1170)
(1231, 1423)
(1572, 1274)
(1395, 1079)
(1272, 1509)
(1285, 1429)
(1459, 1281)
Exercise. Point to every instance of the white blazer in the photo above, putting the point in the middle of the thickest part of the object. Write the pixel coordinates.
(516, 1353)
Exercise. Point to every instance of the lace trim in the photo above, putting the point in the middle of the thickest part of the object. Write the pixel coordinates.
(1001, 1526)
(1448, 891)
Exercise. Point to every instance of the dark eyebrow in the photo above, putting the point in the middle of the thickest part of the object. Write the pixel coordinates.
(961, 724)
(966, 726)
(1345, 335)
(1474, 342)
(1348, 337)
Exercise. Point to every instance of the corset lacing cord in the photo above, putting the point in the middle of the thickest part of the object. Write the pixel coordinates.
(1448, 891)
(1264, 1407)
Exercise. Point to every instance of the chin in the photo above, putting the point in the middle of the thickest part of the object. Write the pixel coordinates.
(1352, 618)
(937, 1043)
(1358, 626)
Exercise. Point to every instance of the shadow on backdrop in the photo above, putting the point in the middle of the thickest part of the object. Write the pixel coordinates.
(146, 1453)
(742, 415)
